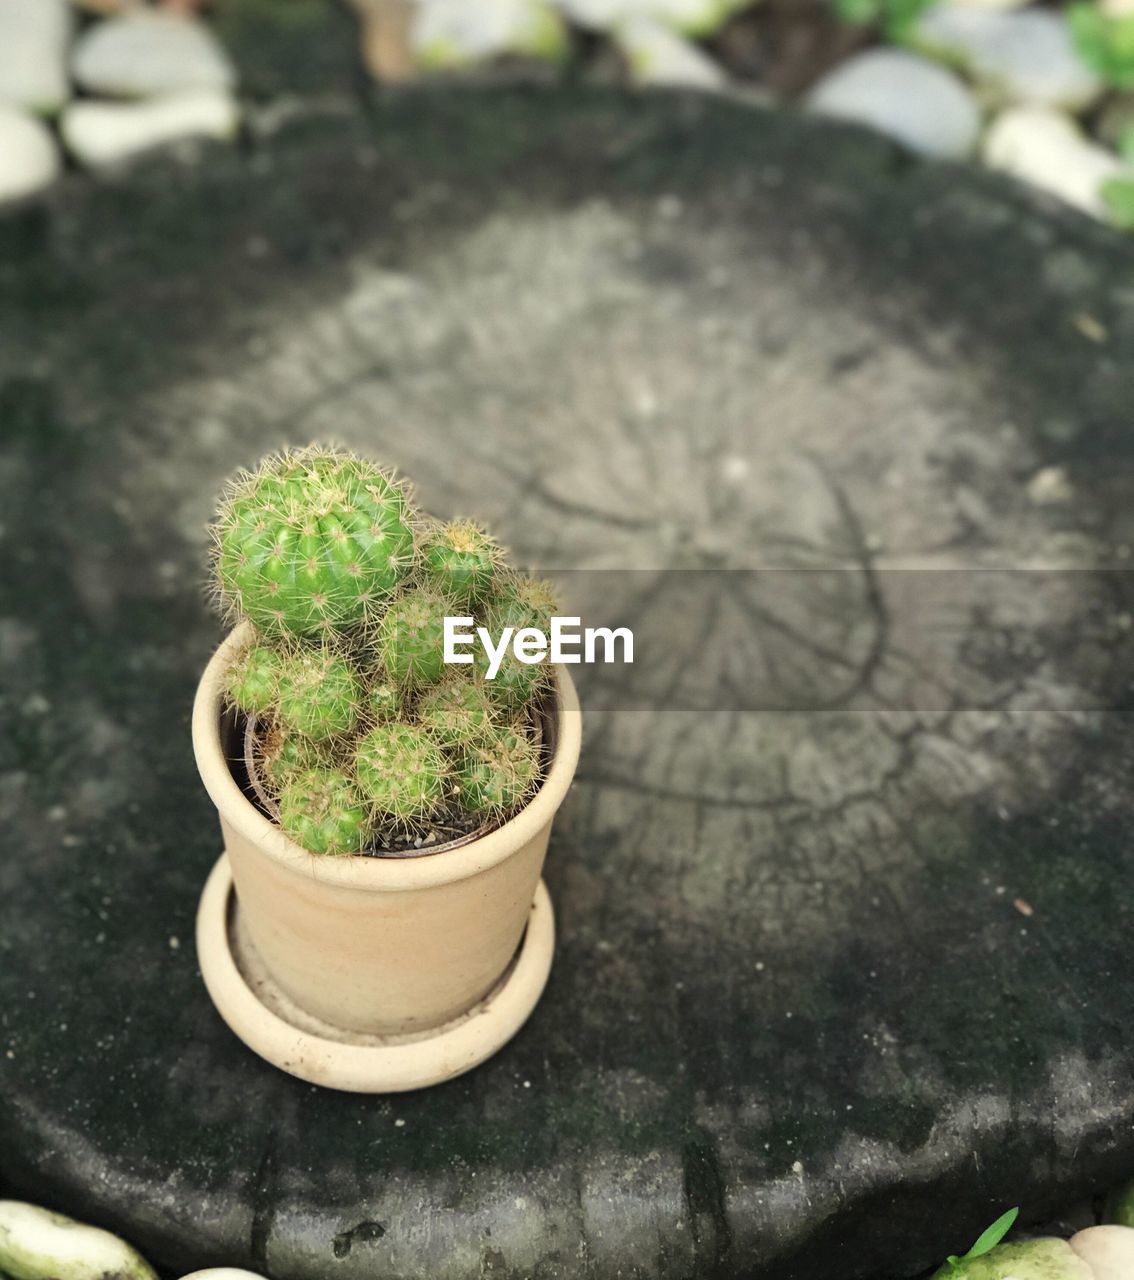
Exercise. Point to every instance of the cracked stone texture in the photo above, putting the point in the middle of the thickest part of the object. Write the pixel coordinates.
(844, 904)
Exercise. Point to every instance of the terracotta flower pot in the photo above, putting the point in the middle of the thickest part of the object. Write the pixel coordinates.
(382, 946)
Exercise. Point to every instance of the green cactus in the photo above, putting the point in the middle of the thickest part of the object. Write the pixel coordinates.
(495, 777)
(411, 638)
(401, 771)
(321, 695)
(311, 542)
(520, 603)
(460, 560)
(384, 700)
(457, 712)
(515, 683)
(284, 753)
(322, 810)
(254, 679)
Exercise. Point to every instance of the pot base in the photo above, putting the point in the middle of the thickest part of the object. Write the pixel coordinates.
(271, 1025)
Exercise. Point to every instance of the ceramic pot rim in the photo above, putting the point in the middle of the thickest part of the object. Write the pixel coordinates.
(355, 871)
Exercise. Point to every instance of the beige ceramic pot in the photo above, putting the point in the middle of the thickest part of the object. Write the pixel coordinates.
(382, 946)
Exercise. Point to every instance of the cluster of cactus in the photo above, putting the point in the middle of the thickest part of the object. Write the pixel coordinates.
(364, 730)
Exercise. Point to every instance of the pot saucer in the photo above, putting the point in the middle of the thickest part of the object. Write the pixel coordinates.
(271, 1025)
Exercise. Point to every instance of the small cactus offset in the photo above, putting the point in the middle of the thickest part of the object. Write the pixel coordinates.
(457, 712)
(461, 559)
(322, 810)
(495, 777)
(384, 700)
(402, 771)
(523, 604)
(282, 754)
(410, 643)
(254, 679)
(516, 683)
(362, 733)
(320, 694)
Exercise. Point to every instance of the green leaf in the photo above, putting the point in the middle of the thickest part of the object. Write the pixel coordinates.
(902, 16)
(897, 17)
(1105, 43)
(1118, 197)
(988, 1239)
(859, 12)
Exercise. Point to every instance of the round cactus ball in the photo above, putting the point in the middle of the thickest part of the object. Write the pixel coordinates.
(495, 777)
(411, 639)
(460, 559)
(401, 771)
(457, 712)
(322, 810)
(254, 680)
(312, 541)
(321, 694)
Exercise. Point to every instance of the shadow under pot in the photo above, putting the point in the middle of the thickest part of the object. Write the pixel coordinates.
(367, 972)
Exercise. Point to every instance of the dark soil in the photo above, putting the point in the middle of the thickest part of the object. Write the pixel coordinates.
(787, 44)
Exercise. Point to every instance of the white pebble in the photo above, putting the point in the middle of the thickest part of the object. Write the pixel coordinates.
(658, 56)
(1046, 149)
(35, 1242)
(223, 1273)
(1026, 57)
(29, 160)
(904, 96)
(103, 133)
(692, 17)
(1109, 1251)
(446, 34)
(145, 52)
(987, 4)
(34, 35)
(1050, 487)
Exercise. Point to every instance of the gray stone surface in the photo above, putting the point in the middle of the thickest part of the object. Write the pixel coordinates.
(839, 975)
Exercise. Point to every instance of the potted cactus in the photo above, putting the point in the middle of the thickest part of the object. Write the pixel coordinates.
(385, 813)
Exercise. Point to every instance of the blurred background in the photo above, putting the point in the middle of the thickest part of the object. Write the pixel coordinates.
(1042, 90)
(834, 989)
